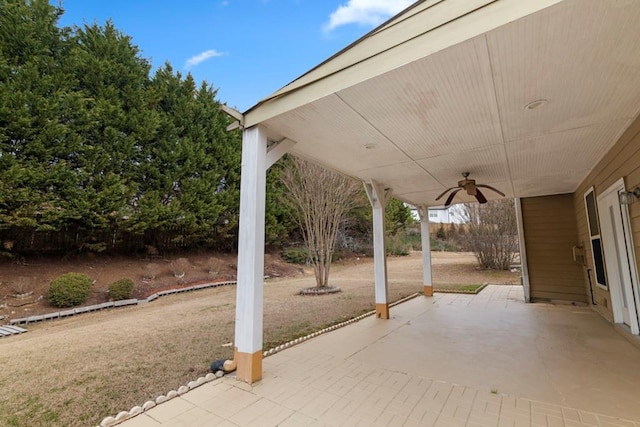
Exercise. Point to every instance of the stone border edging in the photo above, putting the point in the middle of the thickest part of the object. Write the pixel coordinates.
(331, 328)
(112, 304)
(137, 410)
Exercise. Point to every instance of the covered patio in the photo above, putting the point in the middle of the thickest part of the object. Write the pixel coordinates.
(453, 360)
(539, 100)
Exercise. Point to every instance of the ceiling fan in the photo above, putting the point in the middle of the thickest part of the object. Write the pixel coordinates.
(470, 186)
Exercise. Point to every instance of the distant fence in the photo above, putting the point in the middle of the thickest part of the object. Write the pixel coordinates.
(435, 228)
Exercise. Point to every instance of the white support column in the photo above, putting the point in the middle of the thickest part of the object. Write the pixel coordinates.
(427, 278)
(249, 292)
(378, 197)
(523, 251)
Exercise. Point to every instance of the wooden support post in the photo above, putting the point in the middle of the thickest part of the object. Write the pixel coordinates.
(378, 197)
(249, 292)
(427, 279)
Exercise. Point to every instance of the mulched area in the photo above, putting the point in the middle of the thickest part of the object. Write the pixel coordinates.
(24, 285)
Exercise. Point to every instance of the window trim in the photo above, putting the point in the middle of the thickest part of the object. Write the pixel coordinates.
(595, 239)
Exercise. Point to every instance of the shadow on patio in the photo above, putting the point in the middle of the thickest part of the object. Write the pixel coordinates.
(450, 360)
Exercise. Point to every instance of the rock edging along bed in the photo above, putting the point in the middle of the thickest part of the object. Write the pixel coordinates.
(113, 304)
(137, 410)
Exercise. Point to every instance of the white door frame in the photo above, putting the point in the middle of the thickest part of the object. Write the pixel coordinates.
(614, 265)
(522, 241)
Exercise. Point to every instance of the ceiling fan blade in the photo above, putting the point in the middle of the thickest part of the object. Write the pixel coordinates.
(491, 188)
(480, 196)
(445, 192)
(450, 198)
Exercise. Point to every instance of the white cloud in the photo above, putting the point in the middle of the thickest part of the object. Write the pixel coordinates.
(201, 57)
(365, 12)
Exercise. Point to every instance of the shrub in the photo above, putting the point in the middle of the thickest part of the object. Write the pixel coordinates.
(295, 255)
(492, 233)
(22, 286)
(151, 272)
(179, 267)
(121, 289)
(69, 289)
(214, 266)
(444, 246)
(411, 239)
(396, 246)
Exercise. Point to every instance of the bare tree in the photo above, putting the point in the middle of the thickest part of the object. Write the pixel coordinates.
(322, 199)
(492, 233)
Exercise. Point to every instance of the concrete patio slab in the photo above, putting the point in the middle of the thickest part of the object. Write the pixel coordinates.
(450, 360)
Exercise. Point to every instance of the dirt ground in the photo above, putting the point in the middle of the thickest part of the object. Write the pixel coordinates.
(77, 370)
(24, 285)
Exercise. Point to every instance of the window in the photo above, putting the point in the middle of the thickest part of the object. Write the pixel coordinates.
(594, 235)
(433, 214)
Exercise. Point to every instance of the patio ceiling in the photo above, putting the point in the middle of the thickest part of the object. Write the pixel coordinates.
(441, 89)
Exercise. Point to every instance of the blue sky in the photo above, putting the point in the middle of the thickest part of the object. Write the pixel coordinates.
(247, 49)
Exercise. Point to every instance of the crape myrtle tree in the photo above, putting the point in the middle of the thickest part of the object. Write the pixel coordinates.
(322, 199)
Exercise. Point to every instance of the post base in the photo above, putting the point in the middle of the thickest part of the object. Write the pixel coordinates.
(382, 311)
(428, 290)
(249, 367)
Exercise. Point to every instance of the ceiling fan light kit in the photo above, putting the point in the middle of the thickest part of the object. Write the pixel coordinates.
(471, 188)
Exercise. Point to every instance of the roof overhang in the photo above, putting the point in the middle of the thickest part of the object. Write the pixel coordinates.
(442, 88)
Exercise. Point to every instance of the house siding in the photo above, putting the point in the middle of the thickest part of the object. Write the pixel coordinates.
(622, 161)
(550, 233)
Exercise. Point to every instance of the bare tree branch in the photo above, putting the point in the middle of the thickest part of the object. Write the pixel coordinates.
(322, 199)
(492, 233)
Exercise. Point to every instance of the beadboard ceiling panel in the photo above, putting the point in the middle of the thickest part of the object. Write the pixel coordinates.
(438, 105)
(454, 105)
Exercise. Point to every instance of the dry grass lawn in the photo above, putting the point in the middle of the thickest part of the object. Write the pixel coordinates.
(78, 370)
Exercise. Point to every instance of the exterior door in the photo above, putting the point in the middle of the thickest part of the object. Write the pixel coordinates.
(619, 257)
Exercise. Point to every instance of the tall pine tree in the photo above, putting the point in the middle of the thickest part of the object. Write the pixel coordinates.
(123, 122)
(40, 113)
(191, 175)
(95, 149)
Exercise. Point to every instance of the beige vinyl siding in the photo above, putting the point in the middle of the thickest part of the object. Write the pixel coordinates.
(550, 233)
(622, 161)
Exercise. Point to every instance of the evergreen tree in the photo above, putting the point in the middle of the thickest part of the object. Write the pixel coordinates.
(191, 173)
(115, 81)
(279, 211)
(397, 216)
(40, 113)
(94, 148)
